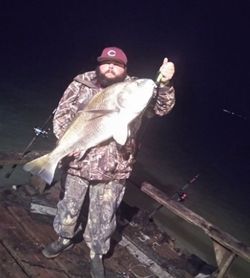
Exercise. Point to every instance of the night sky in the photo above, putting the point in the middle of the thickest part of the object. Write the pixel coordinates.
(49, 42)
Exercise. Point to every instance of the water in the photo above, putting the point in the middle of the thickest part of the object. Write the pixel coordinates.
(217, 149)
(174, 150)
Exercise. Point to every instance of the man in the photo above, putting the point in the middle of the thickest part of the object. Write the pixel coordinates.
(104, 169)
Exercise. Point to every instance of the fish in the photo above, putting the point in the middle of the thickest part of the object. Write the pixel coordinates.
(107, 115)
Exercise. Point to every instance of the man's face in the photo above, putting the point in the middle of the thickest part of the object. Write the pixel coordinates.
(111, 72)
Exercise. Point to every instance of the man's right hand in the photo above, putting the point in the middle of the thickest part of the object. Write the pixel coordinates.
(77, 154)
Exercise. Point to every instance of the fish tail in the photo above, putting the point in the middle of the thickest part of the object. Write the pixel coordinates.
(43, 167)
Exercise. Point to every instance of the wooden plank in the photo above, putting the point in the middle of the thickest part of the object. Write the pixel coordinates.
(76, 261)
(41, 209)
(9, 268)
(211, 230)
(224, 258)
(226, 265)
(24, 249)
(147, 264)
(71, 262)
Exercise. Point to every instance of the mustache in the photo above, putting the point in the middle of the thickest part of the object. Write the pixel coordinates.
(110, 71)
(106, 81)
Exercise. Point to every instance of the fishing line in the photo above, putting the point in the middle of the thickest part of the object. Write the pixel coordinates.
(181, 194)
(234, 114)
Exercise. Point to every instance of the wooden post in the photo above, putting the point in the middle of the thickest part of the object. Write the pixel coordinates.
(224, 258)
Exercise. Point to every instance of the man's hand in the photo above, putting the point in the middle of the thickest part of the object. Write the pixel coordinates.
(167, 71)
(77, 154)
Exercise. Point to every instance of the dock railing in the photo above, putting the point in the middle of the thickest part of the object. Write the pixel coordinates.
(226, 247)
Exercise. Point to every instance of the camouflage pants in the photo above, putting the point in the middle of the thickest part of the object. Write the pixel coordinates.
(104, 200)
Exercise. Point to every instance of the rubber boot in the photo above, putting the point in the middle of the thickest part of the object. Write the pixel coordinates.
(96, 267)
(55, 248)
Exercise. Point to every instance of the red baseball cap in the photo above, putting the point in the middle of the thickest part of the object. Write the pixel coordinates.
(113, 54)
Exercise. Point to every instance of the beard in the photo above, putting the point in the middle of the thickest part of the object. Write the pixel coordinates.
(106, 81)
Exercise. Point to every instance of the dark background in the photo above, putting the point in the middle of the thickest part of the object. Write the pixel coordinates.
(207, 40)
(44, 44)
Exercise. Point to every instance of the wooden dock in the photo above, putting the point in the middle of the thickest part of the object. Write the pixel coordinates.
(137, 250)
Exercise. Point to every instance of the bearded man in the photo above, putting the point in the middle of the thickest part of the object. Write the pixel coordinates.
(103, 170)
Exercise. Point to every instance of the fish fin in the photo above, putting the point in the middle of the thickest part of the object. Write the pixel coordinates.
(121, 134)
(43, 167)
(98, 113)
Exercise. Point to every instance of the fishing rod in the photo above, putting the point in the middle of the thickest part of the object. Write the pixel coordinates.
(43, 131)
(231, 113)
(180, 194)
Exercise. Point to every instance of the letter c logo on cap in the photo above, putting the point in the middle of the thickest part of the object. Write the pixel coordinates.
(111, 53)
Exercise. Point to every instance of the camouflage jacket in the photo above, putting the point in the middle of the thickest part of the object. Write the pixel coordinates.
(107, 161)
